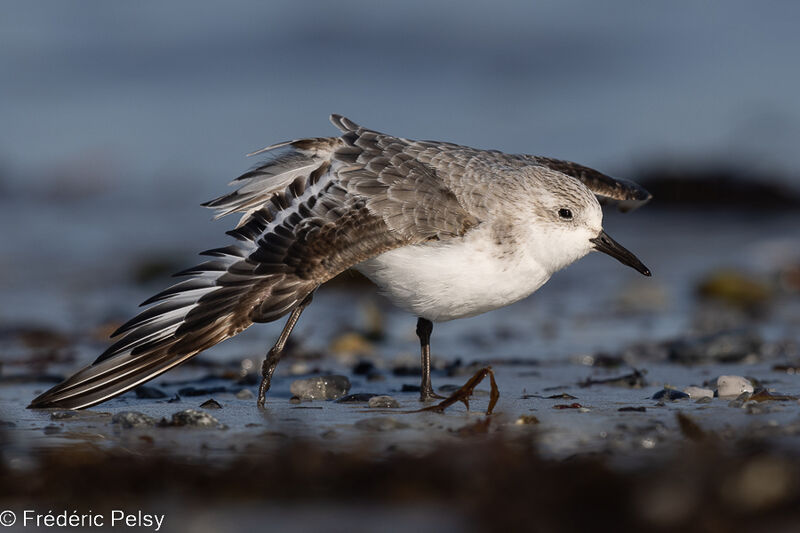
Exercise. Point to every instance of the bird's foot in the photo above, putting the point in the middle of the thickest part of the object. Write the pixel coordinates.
(426, 394)
(266, 380)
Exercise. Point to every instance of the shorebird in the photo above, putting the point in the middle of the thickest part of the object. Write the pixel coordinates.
(445, 231)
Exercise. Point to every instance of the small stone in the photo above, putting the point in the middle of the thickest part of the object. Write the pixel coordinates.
(670, 394)
(632, 409)
(740, 400)
(380, 423)
(52, 429)
(321, 388)
(193, 418)
(147, 392)
(695, 393)
(409, 388)
(294, 400)
(133, 419)
(733, 386)
(361, 397)
(376, 376)
(245, 394)
(211, 404)
(525, 420)
(705, 399)
(383, 402)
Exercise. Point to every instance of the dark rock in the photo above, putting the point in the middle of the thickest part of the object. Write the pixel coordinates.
(670, 394)
(361, 397)
(634, 380)
(149, 393)
(51, 429)
(409, 388)
(632, 409)
(211, 404)
(133, 419)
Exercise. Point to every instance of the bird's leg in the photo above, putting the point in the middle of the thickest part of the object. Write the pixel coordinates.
(275, 353)
(424, 329)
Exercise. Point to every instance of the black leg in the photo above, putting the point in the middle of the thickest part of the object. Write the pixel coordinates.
(275, 353)
(424, 330)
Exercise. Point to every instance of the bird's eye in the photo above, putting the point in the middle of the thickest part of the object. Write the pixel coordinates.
(566, 214)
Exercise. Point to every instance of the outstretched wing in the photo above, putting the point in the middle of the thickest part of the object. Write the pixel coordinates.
(313, 210)
(626, 195)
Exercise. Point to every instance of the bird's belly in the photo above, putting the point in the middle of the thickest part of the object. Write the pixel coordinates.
(446, 281)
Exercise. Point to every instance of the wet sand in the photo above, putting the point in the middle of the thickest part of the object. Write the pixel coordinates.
(576, 426)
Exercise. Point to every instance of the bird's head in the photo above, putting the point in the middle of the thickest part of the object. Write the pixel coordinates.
(569, 223)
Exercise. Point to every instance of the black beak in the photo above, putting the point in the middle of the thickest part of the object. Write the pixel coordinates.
(607, 245)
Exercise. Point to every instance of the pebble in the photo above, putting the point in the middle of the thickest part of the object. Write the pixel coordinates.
(526, 420)
(149, 393)
(733, 386)
(194, 418)
(696, 393)
(670, 394)
(361, 397)
(245, 394)
(380, 423)
(133, 419)
(740, 400)
(211, 404)
(383, 402)
(321, 388)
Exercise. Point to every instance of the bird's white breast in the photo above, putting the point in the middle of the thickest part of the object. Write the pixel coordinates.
(444, 280)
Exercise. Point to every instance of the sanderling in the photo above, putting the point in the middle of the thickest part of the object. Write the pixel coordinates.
(445, 231)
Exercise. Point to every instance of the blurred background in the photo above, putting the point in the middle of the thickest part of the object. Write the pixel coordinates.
(117, 119)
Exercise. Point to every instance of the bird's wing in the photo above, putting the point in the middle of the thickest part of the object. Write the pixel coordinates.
(313, 211)
(626, 195)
